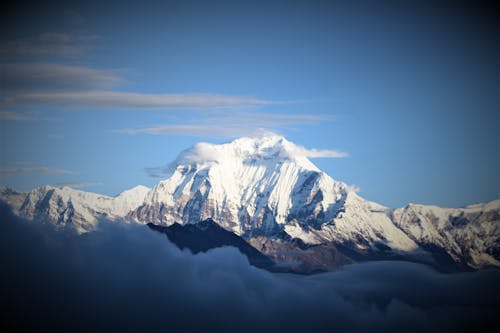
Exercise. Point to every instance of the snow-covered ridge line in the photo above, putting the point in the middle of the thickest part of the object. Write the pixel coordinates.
(65, 205)
(267, 187)
(272, 148)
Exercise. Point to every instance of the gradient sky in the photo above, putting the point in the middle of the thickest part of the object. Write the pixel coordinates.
(92, 94)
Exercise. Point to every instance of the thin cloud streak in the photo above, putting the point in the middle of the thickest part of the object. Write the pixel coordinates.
(78, 184)
(13, 116)
(231, 124)
(35, 84)
(64, 37)
(21, 48)
(321, 153)
(129, 100)
(41, 170)
(196, 130)
(23, 79)
(243, 119)
(25, 116)
(157, 172)
(59, 44)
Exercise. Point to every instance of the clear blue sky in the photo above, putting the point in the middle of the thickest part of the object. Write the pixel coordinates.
(93, 93)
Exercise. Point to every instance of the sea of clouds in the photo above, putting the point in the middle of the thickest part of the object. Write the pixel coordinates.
(130, 278)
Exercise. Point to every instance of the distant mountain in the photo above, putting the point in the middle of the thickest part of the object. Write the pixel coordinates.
(206, 235)
(65, 206)
(265, 190)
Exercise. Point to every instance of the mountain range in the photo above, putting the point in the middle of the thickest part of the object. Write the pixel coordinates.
(265, 191)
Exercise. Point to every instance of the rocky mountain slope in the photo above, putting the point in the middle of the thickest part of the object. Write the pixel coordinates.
(206, 235)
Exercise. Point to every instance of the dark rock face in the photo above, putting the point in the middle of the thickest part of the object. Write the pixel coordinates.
(294, 256)
(273, 254)
(207, 235)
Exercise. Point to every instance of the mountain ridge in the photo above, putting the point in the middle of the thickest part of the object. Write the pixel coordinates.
(265, 188)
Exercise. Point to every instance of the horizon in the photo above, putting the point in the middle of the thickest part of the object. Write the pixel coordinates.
(94, 95)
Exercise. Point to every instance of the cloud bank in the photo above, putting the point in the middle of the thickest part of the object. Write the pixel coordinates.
(129, 278)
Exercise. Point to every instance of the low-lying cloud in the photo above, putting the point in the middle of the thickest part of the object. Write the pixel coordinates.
(129, 278)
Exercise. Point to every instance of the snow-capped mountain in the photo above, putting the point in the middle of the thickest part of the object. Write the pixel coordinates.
(67, 206)
(251, 186)
(267, 191)
(470, 235)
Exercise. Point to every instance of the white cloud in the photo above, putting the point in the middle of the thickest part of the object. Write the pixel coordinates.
(320, 153)
(42, 170)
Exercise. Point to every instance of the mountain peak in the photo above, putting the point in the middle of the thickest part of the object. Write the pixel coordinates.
(269, 148)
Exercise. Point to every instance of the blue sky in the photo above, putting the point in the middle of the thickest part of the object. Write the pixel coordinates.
(94, 93)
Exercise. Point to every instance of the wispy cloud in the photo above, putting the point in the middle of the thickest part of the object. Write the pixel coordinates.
(64, 37)
(129, 100)
(78, 184)
(260, 119)
(23, 48)
(206, 152)
(157, 172)
(320, 153)
(14, 116)
(42, 170)
(53, 84)
(196, 130)
(222, 124)
(19, 79)
(25, 116)
(56, 44)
